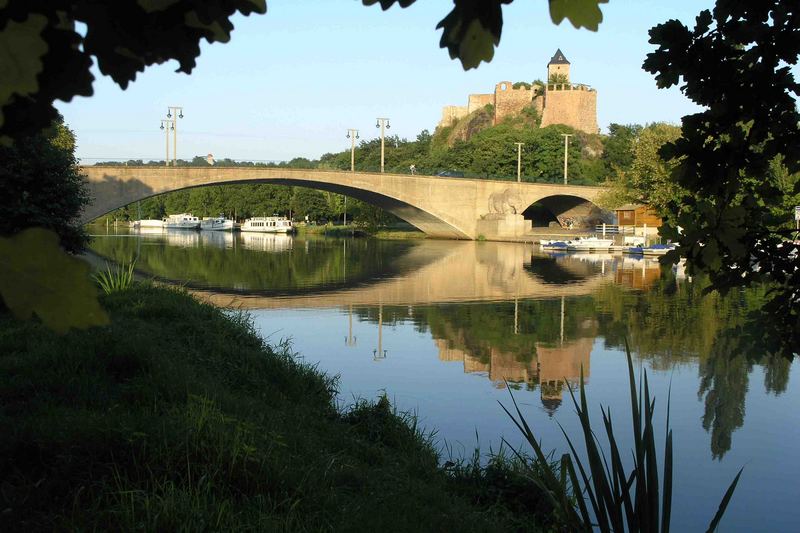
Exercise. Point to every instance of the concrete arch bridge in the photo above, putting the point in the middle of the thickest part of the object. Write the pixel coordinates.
(454, 208)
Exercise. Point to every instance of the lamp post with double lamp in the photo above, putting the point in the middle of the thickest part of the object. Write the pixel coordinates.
(566, 148)
(352, 134)
(383, 124)
(167, 125)
(519, 161)
(177, 111)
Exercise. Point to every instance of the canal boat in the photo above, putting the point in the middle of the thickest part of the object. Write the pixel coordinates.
(268, 225)
(217, 224)
(182, 221)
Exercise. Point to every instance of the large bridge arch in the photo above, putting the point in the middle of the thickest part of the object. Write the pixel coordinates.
(566, 210)
(441, 207)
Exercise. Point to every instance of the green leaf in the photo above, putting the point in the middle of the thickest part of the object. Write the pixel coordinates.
(386, 4)
(218, 33)
(581, 13)
(21, 52)
(38, 277)
(477, 45)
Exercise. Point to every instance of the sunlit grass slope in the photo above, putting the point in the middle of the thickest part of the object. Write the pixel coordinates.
(177, 417)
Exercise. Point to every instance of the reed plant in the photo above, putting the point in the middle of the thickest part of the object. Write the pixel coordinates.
(114, 279)
(618, 501)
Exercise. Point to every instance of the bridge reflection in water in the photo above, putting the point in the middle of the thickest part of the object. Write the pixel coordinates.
(525, 321)
(468, 272)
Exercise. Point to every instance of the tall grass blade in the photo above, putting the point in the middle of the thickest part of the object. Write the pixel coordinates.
(620, 502)
(724, 503)
(667, 492)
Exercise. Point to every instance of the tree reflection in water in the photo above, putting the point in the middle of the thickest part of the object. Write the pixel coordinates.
(536, 332)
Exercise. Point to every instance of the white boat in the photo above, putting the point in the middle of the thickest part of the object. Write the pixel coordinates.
(658, 249)
(148, 223)
(182, 221)
(216, 224)
(268, 225)
(589, 244)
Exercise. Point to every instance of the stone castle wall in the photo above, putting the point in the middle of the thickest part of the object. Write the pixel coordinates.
(510, 101)
(451, 114)
(479, 101)
(574, 106)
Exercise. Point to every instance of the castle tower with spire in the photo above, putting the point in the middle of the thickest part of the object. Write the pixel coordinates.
(558, 67)
(559, 101)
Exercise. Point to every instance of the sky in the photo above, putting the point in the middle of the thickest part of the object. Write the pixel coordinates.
(291, 82)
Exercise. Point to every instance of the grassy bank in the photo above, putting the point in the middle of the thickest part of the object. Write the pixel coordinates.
(177, 417)
(390, 232)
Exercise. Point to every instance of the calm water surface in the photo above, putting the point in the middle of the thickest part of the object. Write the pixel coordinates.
(445, 328)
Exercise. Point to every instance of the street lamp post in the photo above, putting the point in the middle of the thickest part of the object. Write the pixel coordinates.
(566, 147)
(352, 134)
(519, 161)
(383, 124)
(178, 112)
(166, 125)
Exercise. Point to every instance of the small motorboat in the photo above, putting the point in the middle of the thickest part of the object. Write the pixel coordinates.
(589, 244)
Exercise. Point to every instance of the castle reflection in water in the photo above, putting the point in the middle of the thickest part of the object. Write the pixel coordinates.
(550, 368)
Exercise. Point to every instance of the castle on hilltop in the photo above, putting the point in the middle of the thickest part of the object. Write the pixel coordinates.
(557, 101)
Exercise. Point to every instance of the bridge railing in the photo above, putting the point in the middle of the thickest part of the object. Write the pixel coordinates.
(613, 229)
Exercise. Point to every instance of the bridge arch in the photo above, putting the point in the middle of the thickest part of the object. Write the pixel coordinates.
(113, 193)
(565, 210)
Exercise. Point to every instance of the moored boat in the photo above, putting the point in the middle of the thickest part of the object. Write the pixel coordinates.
(553, 245)
(217, 224)
(182, 221)
(657, 249)
(268, 225)
(148, 223)
(653, 249)
(589, 244)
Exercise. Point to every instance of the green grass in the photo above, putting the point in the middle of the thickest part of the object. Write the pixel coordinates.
(399, 234)
(114, 279)
(176, 417)
(395, 232)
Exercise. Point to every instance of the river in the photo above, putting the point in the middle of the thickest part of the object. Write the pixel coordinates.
(447, 329)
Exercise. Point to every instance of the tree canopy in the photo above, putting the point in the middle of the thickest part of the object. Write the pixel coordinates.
(40, 185)
(642, 176)
(736, 64)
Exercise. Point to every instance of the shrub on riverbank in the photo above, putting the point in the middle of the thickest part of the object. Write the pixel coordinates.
(176, 416)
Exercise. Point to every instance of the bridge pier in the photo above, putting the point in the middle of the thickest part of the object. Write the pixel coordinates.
(500, 227)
